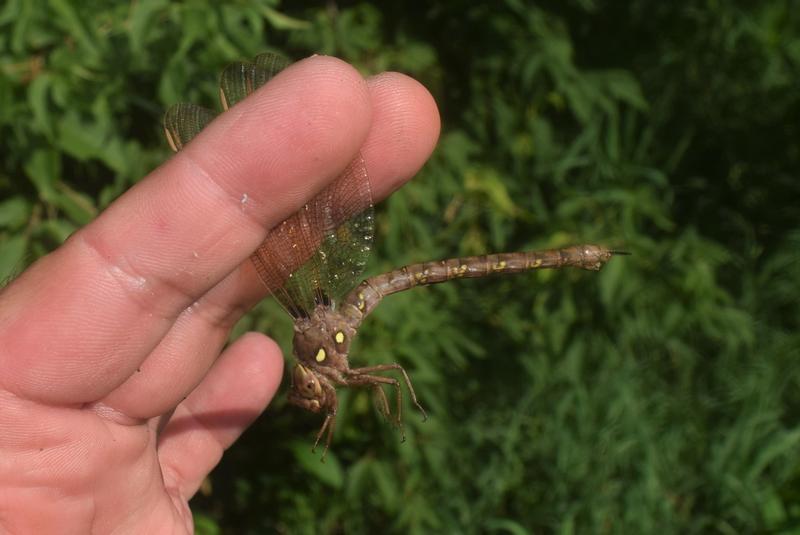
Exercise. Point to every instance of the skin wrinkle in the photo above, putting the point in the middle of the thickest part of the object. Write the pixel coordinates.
(233, 193)
(155, 293)
(168, 355)
(217, 314)
(181, 505)
(234, 196)
(134, 293)
(114, 416)
(46, 376)
(250, 216)
(160, 242)
(251, 224)
(16, 396)
(162, 361)
(175, 472)
(156, 287)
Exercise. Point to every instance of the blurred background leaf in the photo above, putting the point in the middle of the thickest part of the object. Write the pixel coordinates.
(660, 395)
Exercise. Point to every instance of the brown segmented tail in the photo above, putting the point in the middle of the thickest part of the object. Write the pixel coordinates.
(370, 292)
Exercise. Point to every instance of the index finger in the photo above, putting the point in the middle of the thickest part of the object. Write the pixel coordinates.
(84, 316)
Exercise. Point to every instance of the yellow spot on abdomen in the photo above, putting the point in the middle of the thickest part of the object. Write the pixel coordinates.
(501, 265)
(537, 263)
(320, 356)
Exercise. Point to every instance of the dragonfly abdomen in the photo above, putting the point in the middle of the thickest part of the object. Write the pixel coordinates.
(370, 292)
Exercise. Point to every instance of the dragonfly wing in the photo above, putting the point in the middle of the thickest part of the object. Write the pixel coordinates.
(317, 254)
(329, 238)
(241, 78)
(286, 247)
(184, 121)
(345, 213)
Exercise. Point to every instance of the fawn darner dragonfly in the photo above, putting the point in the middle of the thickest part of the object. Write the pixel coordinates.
(312, 261)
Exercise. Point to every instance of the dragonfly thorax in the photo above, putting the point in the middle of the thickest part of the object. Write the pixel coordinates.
(322, 341)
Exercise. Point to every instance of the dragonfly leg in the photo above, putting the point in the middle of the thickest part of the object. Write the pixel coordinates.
(375, 381)
(382, 402)
(406, 378)
(330, 425)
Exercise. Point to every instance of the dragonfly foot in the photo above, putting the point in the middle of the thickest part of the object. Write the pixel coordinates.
(328, 425)
(324, 452)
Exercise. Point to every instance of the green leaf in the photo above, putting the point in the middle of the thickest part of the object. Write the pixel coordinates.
(79, 138)
(78, 206)
(144, 13)
(14, 212)
(12, 254)
(328, 472)
(38, 98)
(385, 485)
(55, 230)
(487, 182)
(74, 23)
(44, 170)
(624, 86)
(280, 21)
(205, 525)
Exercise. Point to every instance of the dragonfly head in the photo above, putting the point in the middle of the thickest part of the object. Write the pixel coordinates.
(308, 390)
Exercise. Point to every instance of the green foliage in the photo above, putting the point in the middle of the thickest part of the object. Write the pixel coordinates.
(658, 395)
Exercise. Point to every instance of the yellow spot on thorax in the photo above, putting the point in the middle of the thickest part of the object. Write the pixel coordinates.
(339, 337)
(320, 356)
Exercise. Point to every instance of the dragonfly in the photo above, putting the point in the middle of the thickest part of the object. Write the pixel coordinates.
(312, 263)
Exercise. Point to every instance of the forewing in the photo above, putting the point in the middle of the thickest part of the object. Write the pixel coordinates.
(329, 238)
(349, 228)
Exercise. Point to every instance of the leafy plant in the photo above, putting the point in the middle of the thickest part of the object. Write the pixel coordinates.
(659, 395)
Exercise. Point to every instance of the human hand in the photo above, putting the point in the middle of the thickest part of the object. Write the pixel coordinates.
(116, 396)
